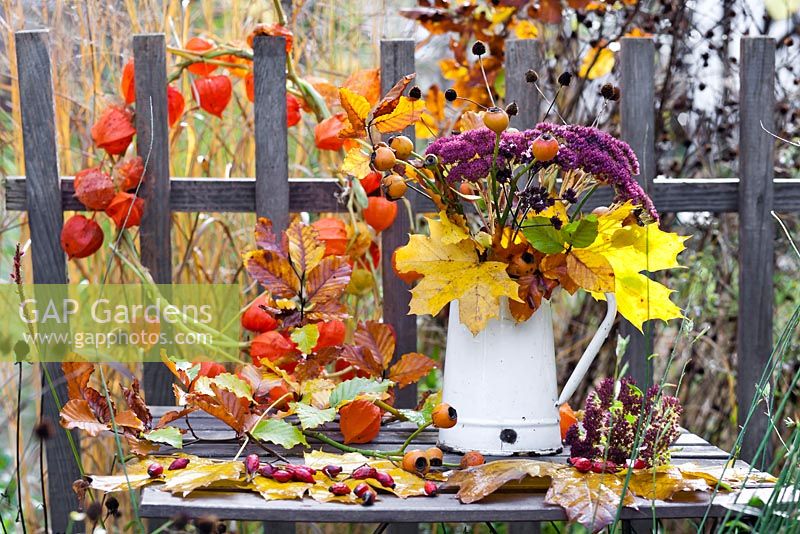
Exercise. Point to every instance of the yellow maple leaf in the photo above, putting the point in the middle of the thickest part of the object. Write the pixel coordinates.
(404, 114)
(596, 63)
(453, 272)
(448, 232)
(632, 250)
(525, 29)
(357, 109)
(355, 163)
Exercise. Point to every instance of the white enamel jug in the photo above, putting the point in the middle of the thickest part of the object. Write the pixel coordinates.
(502, 383)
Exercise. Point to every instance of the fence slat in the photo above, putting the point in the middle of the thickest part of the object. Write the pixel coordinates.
(272, 156)
(152, 144)
(637, 84)
(397, 60)
(45, 220)
(523, 55)
(756, 231)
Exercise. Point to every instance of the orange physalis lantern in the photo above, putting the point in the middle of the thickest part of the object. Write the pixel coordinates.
(94, 188)
(130, 173)
(125, 210)
(128, 85)
(114, 130)
(213, 93)
(333, 232)
(200, 46)
(380, 213)
(81, 237)
(275, 30)
(175, 105)
(326, 133)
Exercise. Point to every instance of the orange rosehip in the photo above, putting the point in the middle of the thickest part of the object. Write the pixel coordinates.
(402, 146)
(471, 459)
(383, 158)
(393, 186)
(544, 147)
(434, 456)
(416, 462)
(444, 416)
(495, 119)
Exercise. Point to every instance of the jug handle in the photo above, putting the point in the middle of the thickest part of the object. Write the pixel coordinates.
(591, 351)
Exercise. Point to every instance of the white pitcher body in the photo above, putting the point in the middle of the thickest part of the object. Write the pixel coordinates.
(503, 383)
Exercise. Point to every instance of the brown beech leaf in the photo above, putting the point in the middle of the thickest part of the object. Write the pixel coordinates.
(410, 368)
(359, 421)
(266, 238)
(306, 249)
(77, 375)
(405, 113)
(356, 107)
(379, 338)
(136, 403)
(391, 99)
(77, 414)
(590, 499)
(98, 404)
(141, 447)
(477, 482)
(326, 283)
(173, 415)
(128, 419)
(273, 271)
(225, 406)
(363, 359)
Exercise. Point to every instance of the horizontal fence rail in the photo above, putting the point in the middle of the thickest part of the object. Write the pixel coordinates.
(319, 195)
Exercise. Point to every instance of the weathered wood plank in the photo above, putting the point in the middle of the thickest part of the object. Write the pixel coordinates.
(272, 156)
(445, 507)
(45, 221)
(237, 195)
(523, 55)
(756, 233)
(397, 60)
(152, 144)
(637, 84)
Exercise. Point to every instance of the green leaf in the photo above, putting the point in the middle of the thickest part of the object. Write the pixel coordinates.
(418, 418)
(279, 432)
(191, 369)
(350, 389)
(542, 236)
(581, 233)
(169, 435)
(432, 401)
(305, 337)
(311, 416)
(234, 384)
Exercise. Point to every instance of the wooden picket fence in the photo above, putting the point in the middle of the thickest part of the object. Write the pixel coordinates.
(45, 195)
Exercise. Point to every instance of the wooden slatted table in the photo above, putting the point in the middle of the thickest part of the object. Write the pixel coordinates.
(502, 506)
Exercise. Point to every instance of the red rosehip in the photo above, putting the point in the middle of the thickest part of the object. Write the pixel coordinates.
(281, 475)
(365, 471)
(155, 470)
(332, 471)
(431, 489)
(267, 470)
(361, 489)
(584, 465)
(365, 493)
(302, 474)
(599, 466)
(178, 463)
(251, 463)
(639, 464)
(385, 479)
(339, 489)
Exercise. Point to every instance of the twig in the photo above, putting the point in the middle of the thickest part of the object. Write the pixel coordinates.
(382, 527)
(20, 511)
(776, 136)
(274, 453)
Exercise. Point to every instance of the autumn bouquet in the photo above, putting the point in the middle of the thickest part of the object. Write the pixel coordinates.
(511, 222)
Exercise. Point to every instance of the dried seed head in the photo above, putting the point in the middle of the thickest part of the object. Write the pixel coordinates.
(607, 91)
(616, 95)
(180, 521)
(556, 222)
(44, 429)
(415, 93)
(512, 109)
(206, 524)
(450, 95)
(478, 48)
(94, 510)
(565, 78)
(531, 76)
(112, 505)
